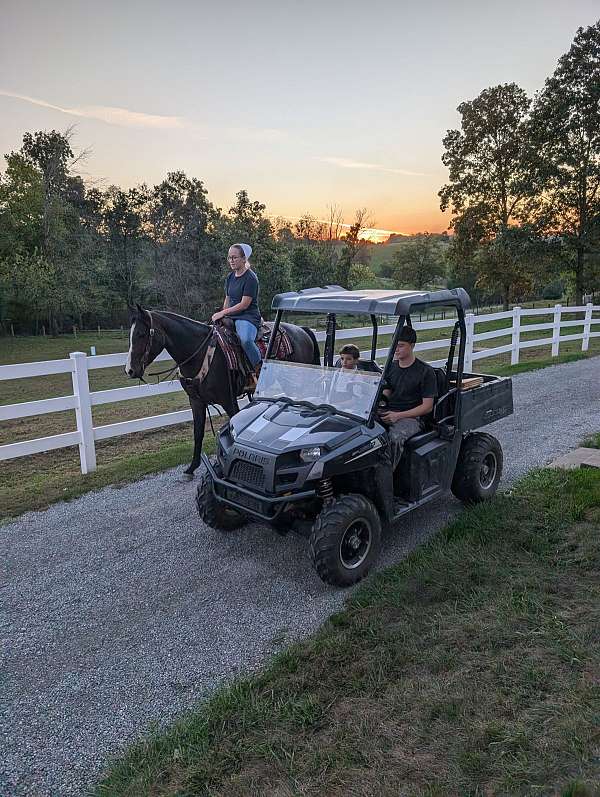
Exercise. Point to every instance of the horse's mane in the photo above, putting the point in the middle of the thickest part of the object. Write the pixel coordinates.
(179, 317)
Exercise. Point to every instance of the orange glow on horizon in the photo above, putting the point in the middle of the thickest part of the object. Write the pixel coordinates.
(378, 235)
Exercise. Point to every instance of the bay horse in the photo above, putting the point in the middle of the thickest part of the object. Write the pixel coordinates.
(186, 341)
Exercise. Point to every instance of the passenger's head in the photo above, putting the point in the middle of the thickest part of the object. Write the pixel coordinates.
(238, 255)
(349, 356)
(406, 344)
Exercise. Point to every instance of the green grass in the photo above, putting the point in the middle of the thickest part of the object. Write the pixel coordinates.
(470, 668)
(592, 442)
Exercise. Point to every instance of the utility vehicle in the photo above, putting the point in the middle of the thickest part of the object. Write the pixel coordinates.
(307, 451)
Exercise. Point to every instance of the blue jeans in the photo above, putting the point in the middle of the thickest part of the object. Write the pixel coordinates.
(247, 334)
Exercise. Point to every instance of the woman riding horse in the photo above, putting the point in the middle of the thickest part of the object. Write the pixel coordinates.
(241, 301)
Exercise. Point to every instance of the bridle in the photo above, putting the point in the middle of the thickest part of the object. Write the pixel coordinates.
(177, 366)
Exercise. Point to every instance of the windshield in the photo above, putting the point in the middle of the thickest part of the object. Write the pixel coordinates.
(349, 391)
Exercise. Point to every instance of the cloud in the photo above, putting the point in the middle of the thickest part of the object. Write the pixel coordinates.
(122, 117)
(347, 163)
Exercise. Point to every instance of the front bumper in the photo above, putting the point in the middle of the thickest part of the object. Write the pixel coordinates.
(258, 505)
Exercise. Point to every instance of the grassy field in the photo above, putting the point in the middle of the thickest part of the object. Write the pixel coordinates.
(471, 668)
(35, 482)
(383, 254)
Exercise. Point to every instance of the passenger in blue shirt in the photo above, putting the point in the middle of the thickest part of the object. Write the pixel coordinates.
(241, 301)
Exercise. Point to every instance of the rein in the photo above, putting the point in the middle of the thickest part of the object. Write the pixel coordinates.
(177, 365)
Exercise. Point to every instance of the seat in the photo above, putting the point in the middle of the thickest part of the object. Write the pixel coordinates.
(369, 365)
(363, 365)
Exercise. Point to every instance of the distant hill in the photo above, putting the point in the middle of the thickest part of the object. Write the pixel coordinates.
(397, 238)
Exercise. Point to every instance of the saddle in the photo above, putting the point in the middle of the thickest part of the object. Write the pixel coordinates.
(225, 337)
(284, 348)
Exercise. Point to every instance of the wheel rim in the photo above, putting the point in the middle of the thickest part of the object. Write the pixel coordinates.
(489, 468)
(355, 544)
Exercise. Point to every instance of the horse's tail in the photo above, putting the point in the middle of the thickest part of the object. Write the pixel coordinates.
(316, 352)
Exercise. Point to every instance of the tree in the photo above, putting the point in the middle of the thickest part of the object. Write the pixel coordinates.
(353, 246)
(30, 286)
(460, 255)
(51, 153)
(512, 262)
(565, 137)
(309, 229)
(488, 159)
(248, 223)
(188, 263)
(274, 268)
(361, 276)
(309, 268)
(492, 186)
(42, 210)
(418, 262)
(126, 243)
(21, 206)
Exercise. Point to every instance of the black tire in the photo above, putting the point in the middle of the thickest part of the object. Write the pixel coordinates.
(212, 512)
(345, 540)
(478, 469)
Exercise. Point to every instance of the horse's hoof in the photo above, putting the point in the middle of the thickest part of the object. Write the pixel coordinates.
(187, 477)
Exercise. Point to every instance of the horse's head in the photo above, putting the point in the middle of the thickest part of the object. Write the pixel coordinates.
(146, 341)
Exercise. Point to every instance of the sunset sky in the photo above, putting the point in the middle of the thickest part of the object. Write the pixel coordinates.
(304, 104)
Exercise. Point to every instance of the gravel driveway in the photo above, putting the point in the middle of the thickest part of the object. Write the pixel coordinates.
(121, 609)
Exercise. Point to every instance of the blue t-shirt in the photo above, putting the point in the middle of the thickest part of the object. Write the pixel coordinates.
(246, 285)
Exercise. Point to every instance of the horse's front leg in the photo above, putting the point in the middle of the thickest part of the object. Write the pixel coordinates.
(231, 407)
(199, 413)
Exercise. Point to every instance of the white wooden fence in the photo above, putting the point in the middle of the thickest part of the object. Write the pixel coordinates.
(78, 364)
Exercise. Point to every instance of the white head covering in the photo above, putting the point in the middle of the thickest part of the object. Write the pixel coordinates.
(246, 249)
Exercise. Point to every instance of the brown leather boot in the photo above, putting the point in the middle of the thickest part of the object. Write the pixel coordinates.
(252, 379)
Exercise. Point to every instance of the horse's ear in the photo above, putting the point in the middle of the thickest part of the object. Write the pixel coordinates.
(143, 315)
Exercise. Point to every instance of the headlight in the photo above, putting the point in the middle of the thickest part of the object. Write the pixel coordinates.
(232, 432)
(310, 454)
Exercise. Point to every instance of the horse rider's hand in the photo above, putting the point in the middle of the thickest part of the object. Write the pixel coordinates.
(217, 316)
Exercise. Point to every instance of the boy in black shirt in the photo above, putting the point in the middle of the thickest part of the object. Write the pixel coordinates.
(411, 388)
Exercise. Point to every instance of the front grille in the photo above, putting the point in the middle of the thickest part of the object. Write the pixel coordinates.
(245, 500)
(247, 473)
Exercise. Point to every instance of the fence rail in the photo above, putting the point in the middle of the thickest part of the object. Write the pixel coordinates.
(78, 364)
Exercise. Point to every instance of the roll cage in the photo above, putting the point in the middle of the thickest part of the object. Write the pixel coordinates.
(334, 300)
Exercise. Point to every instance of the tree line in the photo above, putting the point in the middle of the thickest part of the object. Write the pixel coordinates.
(523, 189)
(74, 254)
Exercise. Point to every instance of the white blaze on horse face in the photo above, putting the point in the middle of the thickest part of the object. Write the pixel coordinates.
(128, 363)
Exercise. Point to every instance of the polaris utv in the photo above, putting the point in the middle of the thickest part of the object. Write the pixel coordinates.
(307, 451)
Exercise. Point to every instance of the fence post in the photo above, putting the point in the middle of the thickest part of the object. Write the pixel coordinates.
(83, 412)
(470, 325)
(556, 330)
(516, 336)
(587, 326)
